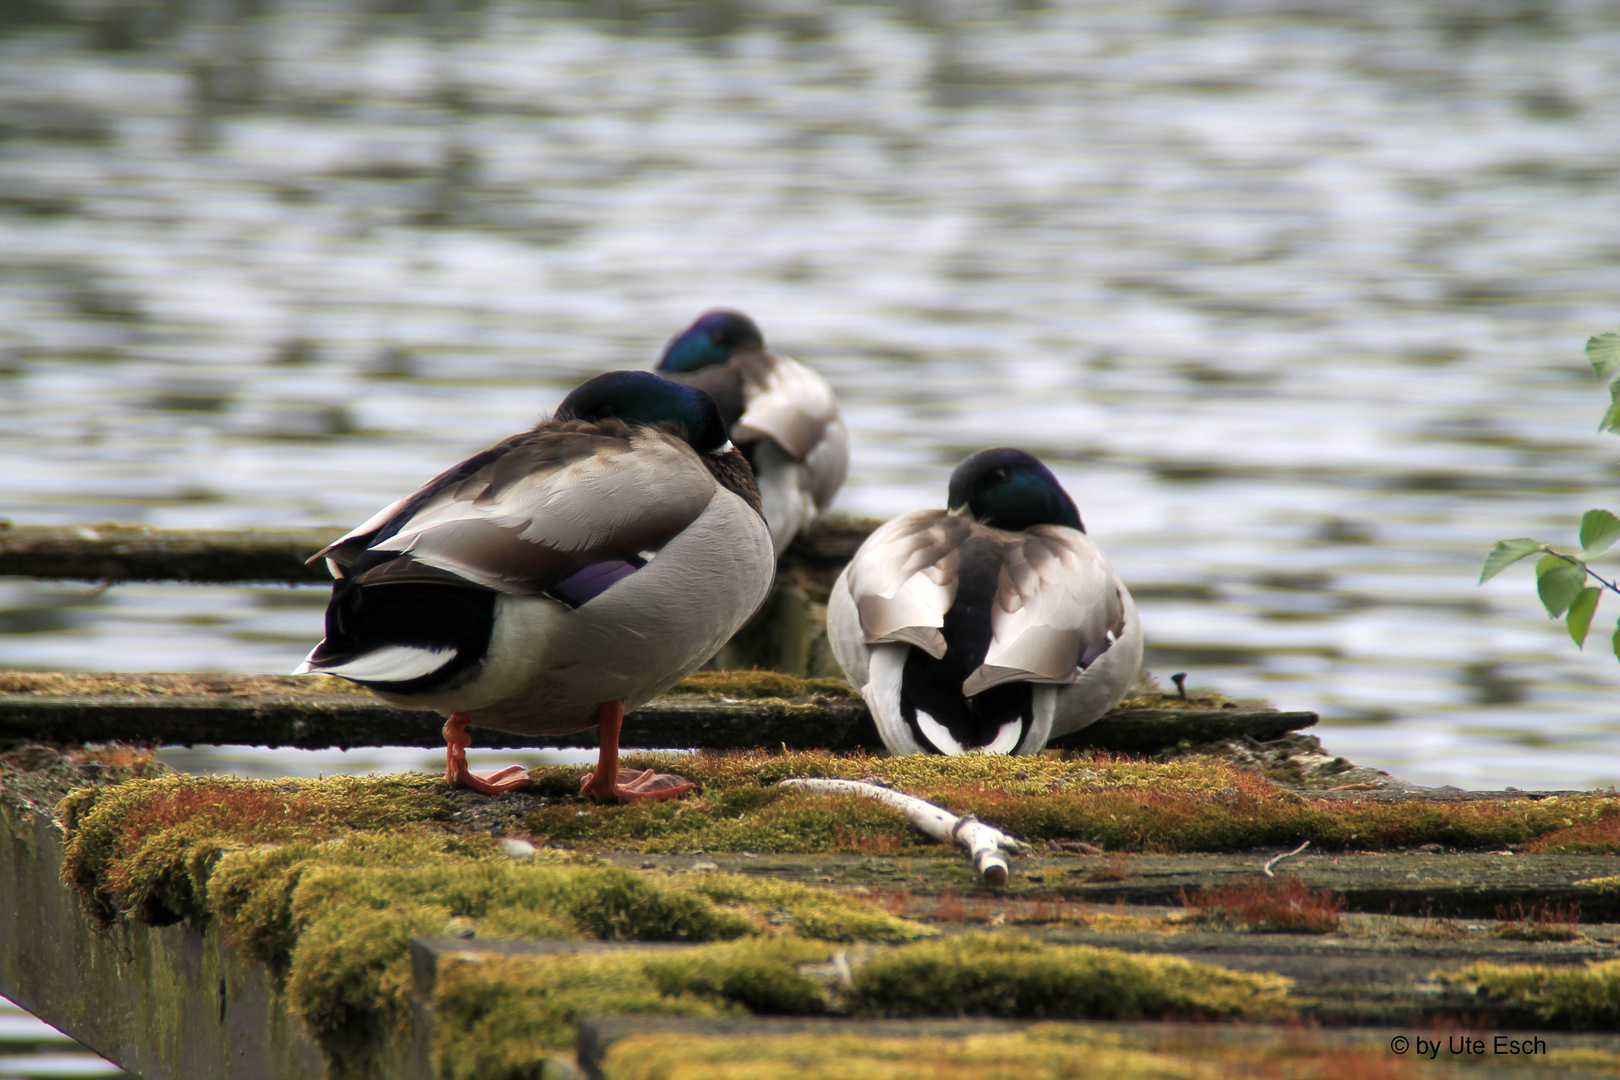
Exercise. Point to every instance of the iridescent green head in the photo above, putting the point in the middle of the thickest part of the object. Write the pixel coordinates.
(642, 399)
(709, 341)
(1009, 489)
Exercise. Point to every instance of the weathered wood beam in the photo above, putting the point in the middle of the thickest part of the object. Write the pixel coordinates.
(1469, 884)
(1134, 729)
(135, 553)
(310, 713)
(174, 1001)
(274, 556)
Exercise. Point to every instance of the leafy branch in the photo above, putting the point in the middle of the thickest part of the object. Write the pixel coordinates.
(1561, 577)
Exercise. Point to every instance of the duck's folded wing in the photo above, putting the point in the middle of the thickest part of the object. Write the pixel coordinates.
(560, 513)
(828, 464)
(786, 401)
(341, 553)
(904, 579)
(1058, 607)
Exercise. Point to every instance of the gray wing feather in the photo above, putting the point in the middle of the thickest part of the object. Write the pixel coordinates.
(786, 401)
(1058, 607)
(828, 464)
(555, 503)
(904, 577)
(1058, 604)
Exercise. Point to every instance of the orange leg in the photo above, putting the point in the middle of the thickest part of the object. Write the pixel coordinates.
(608, 784)
(456, 772)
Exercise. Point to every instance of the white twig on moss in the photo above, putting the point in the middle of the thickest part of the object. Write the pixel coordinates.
(1266, 869)
(983, 843)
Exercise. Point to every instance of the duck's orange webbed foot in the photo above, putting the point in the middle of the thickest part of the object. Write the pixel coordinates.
(645, 786)
(608, 784)
(456, 741)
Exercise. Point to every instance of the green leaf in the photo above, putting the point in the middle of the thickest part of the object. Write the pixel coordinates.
(1504, 555)
(1611, 418)
(1617, 641)
(1599, 530)
(1580, 615)
(1603, 352)
(1559, 582)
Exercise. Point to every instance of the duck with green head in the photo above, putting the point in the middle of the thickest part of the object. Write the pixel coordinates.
(781, 414)
(993, 625)
(558, 578)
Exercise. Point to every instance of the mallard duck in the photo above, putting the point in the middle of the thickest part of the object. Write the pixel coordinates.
(558, 578)
(992, 626)
(781, 415)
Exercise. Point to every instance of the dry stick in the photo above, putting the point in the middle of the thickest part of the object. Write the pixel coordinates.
(1266, 869)
(984, 843)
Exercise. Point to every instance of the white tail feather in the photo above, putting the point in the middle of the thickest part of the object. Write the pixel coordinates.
(391, 663)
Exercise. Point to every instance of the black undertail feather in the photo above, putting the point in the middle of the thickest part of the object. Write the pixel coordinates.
(935, 686)
(363, 618)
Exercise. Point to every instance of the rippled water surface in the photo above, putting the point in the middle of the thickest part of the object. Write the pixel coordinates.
(1291, 296)
(31, 1049)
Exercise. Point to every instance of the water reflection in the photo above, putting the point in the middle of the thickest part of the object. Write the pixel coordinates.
(1291, 296)
(31, 1048)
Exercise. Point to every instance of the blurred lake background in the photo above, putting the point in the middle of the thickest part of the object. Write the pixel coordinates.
(1291, 295)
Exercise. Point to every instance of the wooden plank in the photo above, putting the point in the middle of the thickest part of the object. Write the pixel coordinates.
(1455, 884)
(264, 710)
(274, 556)
(137, 553)
(1140, 730)
(1342, 981)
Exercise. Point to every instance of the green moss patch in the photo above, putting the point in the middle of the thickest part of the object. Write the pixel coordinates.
(1048, 1052)
(145, 848)
(328, 881)
(1008, 975)
(1041, 1052)
(851, 1056)
(504, 1015)
(1583, 834)
(1190, 804)
(813, 913)
(349, 923)
(500, 1017)
(1580, 996)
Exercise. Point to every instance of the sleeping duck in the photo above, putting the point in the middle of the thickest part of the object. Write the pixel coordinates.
(781, 415)
(993, 626)
(558, 578)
